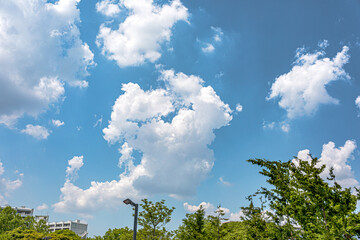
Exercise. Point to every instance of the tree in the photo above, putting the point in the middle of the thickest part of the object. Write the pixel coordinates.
(234, 231)
(21, 233)
(154, 216)
(118, 234)
(64, 235)
(258, 223)
(306, 205)
(9, 219)
(95, 238)
(41, 226)
(213, 225)
(193, 226)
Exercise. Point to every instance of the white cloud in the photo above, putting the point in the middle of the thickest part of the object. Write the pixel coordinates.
(99, 121)
(357, 102)
(235, 217)
(338, 159)
(7, 185)
(219, 75)
(139, 37)
(36, 131)
(57, 123)
(239, 107)
(285, 127)
(40, 49)
(208, 48)
(221, 179)
(79, 84)
(42, 207)
(208, 207)
(171, 127)
(74, 166)
(218, 34)
(108, 7)
(99, 194)
(323, 44)
(303, 89)
(2, 170)
(268, 125)
(126, 157)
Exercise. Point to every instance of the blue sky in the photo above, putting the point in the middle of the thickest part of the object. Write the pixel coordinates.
(104, 100)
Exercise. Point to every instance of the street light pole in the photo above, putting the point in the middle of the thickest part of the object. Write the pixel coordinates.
(135, 220)
(127, 202)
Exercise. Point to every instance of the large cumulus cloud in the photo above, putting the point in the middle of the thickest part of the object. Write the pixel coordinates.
(172, 128)
(40, 50)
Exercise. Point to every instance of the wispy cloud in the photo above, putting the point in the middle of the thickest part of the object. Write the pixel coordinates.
(98, 122)
(7, 185)
(57, 123)
(74, 166)
(226, 183)
(36, 131)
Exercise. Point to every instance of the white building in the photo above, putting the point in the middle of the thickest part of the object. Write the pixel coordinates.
(75, 226)
(23, 211)
(42, 217)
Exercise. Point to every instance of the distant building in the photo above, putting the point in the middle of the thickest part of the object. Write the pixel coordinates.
(42, 217)
(23, 211)
(75, 226)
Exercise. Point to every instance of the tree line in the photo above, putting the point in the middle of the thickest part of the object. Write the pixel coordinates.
(299, 204)
(13, 226)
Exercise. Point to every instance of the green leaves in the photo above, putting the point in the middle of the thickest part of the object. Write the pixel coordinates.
(318, 208)
(118, 234)
(154, 216)
(193, 226)
(9, 219)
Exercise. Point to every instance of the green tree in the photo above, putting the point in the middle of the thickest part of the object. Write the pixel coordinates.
(153, 217)
(64, 235)
(41, 226)
(213, 227)
(21, 233)
(118, 234)
(28, 222)
(193, 226)
(234, 231)
(9, 219)
(95, 238)
(258, 223)
(303, 204)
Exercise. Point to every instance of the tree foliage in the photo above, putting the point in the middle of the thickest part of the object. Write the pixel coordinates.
(153, 217)
(31, 234)
(13, 226)
(118, 234)
(296, 204)
(193, 226)
(9, 219)
(305, 205)
(214, 228)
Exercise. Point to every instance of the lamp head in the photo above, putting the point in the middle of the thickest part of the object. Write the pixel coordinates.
(128, 201)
